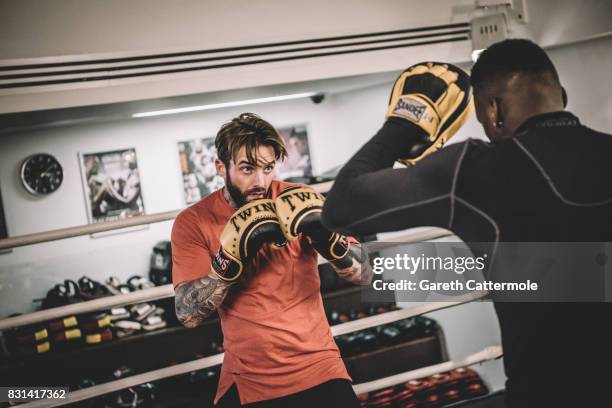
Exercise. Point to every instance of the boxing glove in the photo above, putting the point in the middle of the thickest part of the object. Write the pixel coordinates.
(299, 212)
(251, 226)
(434, 96)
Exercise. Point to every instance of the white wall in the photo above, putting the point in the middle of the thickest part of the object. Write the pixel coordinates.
(584, 70)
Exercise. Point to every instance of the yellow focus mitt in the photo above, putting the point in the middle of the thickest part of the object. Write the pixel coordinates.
(434, 96)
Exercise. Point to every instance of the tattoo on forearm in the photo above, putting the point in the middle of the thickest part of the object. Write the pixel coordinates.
(196, 300)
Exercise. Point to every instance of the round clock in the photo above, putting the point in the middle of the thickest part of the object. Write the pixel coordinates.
(41, 174)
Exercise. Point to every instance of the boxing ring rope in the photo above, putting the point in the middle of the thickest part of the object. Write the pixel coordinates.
(482, 356)
(395, 315)
(486, 354)
(71, 232)
(166, 291)
(139, 296)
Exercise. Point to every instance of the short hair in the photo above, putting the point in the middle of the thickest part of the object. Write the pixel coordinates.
(508, 57)
(251, 131)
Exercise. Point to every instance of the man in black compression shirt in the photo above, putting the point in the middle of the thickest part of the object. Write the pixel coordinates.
(544, 177)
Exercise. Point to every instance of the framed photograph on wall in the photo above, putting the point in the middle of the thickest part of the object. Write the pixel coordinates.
(111, 182)
(297, 163)
(197, 160)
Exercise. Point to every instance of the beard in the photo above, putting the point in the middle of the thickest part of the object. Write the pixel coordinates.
(240, 197)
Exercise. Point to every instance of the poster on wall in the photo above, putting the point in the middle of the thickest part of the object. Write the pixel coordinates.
(197, 160)
(297, 163)
(111, 182)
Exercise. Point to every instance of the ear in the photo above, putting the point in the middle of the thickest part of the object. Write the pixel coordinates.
(220, 167)
(564, 96)
(494, 112)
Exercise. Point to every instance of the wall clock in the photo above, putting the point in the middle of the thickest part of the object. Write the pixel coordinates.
(41, 174)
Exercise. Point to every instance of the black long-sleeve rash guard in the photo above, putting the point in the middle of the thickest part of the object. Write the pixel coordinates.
(549, 183)
(554, 170)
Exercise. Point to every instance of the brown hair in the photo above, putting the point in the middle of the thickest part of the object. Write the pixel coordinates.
(251, 131)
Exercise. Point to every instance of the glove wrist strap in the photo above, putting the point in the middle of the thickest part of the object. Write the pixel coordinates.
(225, 267)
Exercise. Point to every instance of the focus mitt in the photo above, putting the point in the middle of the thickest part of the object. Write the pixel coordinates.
(437, 98)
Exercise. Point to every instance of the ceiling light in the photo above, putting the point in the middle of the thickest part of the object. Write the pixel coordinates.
(225, 104)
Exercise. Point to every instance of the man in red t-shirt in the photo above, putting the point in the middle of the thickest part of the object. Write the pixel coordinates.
(279, 350)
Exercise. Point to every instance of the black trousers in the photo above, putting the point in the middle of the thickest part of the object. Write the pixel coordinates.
(333, 393)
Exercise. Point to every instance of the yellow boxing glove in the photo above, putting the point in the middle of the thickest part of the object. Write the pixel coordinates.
(299, 212)
(434, 96)
(247, 230)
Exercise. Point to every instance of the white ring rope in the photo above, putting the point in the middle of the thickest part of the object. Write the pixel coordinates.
(108, 302)
(395, 315)
(77, 231)
(127, 382)
(486, 354)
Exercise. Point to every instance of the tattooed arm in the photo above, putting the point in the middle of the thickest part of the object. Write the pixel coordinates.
(197, 299)
(360, 272)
